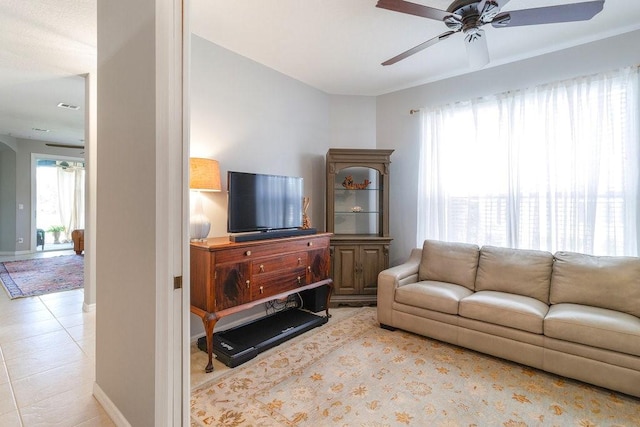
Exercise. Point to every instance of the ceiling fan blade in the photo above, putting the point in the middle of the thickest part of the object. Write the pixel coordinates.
(413, 9)
(477, 50)
(418, 48)
(549, 15)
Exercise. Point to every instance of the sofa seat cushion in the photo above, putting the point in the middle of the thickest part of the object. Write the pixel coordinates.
(501, 308)
(594, 326)
(436, 296)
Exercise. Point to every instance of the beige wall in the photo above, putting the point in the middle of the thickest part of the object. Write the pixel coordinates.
(254, 119)
(7, 200)
(126, 199)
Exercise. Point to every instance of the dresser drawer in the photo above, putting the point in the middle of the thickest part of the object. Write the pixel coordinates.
(267, 284)
(284, 262)
(258, 250)
(235, 255)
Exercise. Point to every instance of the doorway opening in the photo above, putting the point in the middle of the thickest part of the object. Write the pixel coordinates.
(59, 201)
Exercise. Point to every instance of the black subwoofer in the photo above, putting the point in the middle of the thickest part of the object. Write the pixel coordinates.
(315, 299)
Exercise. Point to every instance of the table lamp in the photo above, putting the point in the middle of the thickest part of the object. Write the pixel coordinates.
(204, 175)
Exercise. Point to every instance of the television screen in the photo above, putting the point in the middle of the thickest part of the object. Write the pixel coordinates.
(263, 202)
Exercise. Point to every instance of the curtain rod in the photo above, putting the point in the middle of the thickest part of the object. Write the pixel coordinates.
(514, 91)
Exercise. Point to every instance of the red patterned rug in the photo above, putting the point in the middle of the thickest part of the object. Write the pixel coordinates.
(42, 275)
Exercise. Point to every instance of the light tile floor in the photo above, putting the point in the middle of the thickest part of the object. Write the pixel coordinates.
(47, 360)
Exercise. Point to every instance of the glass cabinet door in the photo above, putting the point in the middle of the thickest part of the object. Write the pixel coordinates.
(357, 201)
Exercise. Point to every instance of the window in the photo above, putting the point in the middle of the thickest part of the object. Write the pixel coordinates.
(553, 168)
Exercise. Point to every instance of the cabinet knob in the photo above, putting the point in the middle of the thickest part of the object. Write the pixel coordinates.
(299, 261)
(248, 253)
(248, 282)
(261, 290)
(299, 280)
(309, 268)
(262, 268)
(310, 244)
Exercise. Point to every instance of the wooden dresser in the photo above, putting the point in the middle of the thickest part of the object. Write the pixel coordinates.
(228, 277)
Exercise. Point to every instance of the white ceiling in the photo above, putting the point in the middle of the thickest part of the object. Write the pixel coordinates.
(45, 47)
(337, 45)
(334, 45)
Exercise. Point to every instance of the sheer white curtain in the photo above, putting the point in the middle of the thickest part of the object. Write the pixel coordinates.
(71, 198)
(554, 168)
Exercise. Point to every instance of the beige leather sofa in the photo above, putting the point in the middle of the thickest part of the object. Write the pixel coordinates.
(570, 314)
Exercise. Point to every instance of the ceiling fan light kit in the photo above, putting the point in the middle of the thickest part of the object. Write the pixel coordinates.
(477, 50)
(468, 16)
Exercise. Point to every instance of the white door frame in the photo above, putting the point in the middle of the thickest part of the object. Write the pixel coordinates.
(172, 214)
(185, 321)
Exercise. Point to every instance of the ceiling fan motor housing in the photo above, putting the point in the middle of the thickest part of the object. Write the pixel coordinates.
(467, 17)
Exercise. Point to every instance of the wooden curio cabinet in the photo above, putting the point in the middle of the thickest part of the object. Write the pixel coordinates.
(358, 217)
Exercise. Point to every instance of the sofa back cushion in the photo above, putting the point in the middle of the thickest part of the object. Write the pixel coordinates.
(516, 271)
(598, 281)
(449, 262)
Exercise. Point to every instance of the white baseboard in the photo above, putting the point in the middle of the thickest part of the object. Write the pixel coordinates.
(16, 253)
(111, 409)
(88, 308)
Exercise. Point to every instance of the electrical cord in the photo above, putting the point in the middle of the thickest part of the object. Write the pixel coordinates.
(292, 301)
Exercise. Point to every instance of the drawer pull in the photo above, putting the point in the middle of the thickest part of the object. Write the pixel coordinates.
(248, 253)
(248, 282)
(261, 268)
(309, 268)
(261, 290)
(310, 244)
(299, 280)
(299, 261)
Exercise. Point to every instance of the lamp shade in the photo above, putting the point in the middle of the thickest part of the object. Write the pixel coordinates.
(204, 174)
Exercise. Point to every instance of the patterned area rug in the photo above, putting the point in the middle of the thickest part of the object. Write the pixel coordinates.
(42, 275)
(352, 373)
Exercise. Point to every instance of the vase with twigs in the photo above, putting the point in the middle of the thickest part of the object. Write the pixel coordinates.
(306, 221)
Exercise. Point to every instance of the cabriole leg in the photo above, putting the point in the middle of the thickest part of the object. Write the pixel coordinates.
(209, 321)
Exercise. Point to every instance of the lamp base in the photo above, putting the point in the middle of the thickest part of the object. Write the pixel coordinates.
(199, 227)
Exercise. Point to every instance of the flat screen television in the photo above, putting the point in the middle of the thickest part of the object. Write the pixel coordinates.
(259, 202)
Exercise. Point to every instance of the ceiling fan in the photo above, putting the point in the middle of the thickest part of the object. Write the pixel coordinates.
(69, 166)
(469, 16)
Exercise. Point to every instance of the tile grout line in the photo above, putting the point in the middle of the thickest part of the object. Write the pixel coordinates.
(10, 382)
(62, 326)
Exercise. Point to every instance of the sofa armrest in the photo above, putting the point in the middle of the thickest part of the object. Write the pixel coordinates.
(392, 278)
